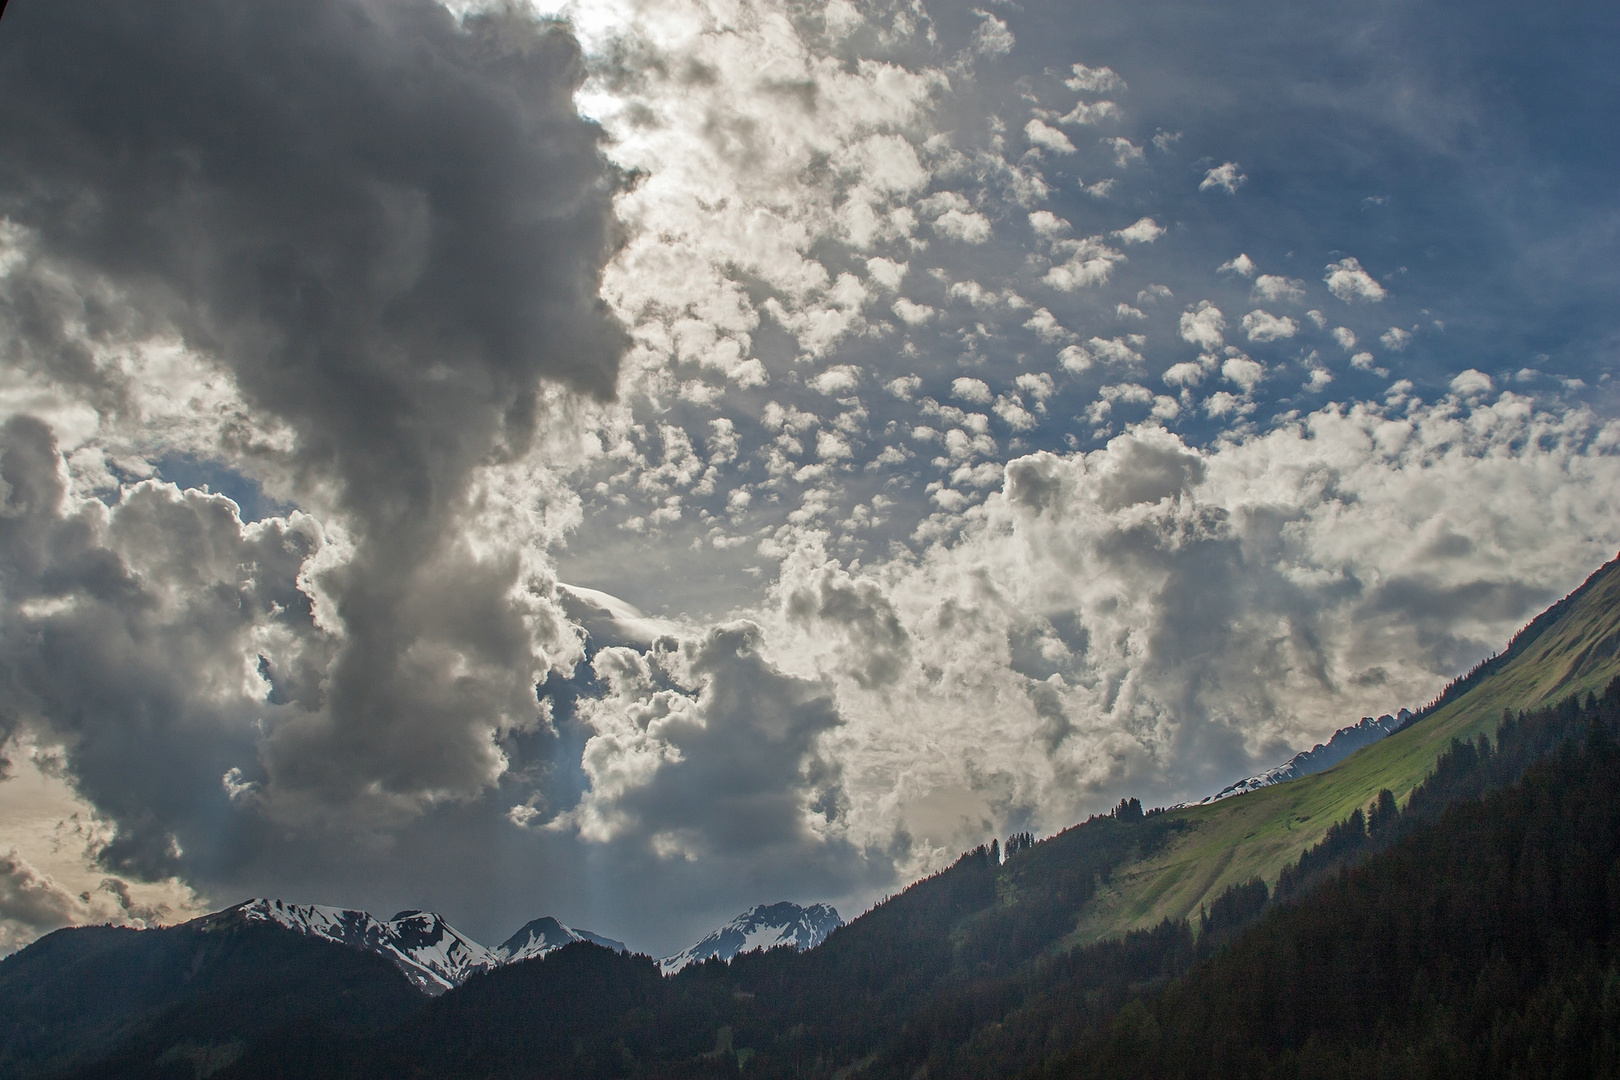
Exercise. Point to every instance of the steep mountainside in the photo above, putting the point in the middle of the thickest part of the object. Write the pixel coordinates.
(1487, 945)
(1572, 648)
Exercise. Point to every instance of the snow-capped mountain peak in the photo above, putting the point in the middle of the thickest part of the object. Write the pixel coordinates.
(433, 954)
(535, 939)
(542, 936)
(762, 927)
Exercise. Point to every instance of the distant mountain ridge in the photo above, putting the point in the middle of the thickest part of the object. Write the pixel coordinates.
(434, 955)
(763, 927)
(1322, 756)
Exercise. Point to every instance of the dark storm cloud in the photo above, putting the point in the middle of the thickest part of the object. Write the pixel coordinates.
(124, 633)
(388, 228)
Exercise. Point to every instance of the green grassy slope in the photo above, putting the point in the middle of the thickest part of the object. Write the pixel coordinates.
(1573, 648)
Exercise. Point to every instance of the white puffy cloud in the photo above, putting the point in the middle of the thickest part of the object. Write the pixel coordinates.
(1345, 337)
(1243, 371)
(971, 390)
(1223, 404)
(1395, 339)
(840, 380)
(1471, 383)
(1037, 385)
(833, 446)
(992, 38)
(886, 272)
(1350, 283)
(1241, 265)
(1203, 325)
(1097, 80)
(1185, 373)
(1116, 350)
(1144, 231)
(1088, 262)
(886, 164)
(1125, 151)
(1272, 289)
(955, 219)
(720, 210)
(1075, 358)
(905, 387)
(1047, 328)
(1264, 326)
(1011, 409)
(912, 313)
(1047, 224)
(1134, 393)
(1047, 138)
(1227, 178)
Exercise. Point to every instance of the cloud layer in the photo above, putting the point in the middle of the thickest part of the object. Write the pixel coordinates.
(636, 467)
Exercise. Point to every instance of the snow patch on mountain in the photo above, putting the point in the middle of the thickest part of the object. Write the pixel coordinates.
(544, 935)
(762, 927)
(1319, 758)
(434, 955)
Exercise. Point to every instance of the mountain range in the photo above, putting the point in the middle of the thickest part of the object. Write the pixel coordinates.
(435, 956)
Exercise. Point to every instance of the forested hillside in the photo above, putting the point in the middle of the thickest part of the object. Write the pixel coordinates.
(1481, 946)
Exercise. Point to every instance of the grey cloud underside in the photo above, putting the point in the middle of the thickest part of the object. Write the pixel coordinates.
(733, 742)
(388, 228)
(114, 621)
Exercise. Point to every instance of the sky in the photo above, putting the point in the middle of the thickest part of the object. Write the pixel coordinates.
(632, 461)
